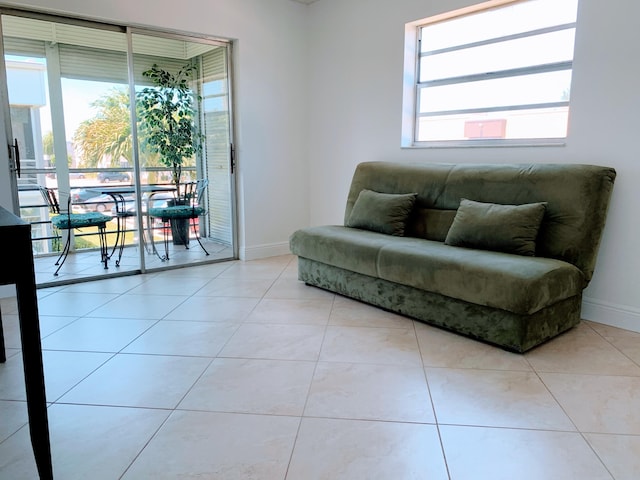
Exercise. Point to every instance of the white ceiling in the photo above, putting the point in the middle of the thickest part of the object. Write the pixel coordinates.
(306, 2)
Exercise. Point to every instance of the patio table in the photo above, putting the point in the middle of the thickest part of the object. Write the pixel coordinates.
(119, 193)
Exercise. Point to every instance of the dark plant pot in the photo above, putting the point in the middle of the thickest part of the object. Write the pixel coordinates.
(179, 226)
(180, 231)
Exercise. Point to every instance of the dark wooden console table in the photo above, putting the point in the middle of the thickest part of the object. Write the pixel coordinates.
(15, 243)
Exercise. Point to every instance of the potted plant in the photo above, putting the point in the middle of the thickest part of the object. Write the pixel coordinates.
(167, 114)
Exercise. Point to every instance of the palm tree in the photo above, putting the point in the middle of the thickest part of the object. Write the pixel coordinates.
(108, 133)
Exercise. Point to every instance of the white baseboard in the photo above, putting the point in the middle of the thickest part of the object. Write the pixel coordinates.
(621, 316)
(264, 251)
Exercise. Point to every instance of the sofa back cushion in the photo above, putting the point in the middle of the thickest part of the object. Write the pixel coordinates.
(429, 223)
(576, 196)
(381, 212)
(491, 226)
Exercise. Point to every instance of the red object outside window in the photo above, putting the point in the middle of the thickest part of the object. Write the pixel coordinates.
(485, 128)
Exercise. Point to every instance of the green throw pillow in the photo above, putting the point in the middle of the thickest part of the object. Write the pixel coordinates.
(381, 212)
(490, 226)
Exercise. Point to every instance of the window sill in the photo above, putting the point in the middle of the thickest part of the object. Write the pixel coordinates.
(543, 142)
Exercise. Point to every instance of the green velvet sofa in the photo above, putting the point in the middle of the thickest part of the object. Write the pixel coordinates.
(500, 253)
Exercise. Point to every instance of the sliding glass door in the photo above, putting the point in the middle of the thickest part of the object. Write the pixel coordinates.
(183, 131)
(78, 123)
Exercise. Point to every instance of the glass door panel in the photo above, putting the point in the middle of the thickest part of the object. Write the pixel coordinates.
(181, 88)
(69, 104)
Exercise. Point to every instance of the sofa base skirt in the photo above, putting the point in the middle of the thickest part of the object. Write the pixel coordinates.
(511, 331)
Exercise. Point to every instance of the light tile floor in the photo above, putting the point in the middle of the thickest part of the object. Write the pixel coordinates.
(239, 371)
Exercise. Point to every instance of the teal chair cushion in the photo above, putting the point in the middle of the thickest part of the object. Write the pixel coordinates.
(80, 220)
(177, 211)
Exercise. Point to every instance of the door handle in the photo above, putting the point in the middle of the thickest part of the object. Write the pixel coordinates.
(16, 155)
(17, 152)
(232, 158)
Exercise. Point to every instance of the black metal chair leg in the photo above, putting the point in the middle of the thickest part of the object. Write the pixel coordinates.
(104, 249)
(64, 249)
(63, 255)
(195, 232)
(115, 244)
(121, 237)
(165, 240)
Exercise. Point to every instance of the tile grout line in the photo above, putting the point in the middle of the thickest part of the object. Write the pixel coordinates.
(313, 374)
(578, 430)
(433, 407)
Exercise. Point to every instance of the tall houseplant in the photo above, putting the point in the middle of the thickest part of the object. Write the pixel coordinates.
(167, 113)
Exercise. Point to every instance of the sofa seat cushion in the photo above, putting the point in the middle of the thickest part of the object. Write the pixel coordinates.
(514, 283)
(348, 248)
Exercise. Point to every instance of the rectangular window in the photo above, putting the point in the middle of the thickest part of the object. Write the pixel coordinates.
(498, 73)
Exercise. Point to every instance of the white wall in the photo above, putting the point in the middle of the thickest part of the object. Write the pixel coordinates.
(271, 93)
(355, 113)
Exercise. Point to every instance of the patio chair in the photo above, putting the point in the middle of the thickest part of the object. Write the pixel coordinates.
(188, 206)
(64, 219)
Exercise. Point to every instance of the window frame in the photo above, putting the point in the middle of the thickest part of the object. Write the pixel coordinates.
(412, 86)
